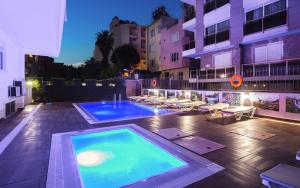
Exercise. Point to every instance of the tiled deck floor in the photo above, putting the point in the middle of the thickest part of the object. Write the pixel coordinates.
(25, 162)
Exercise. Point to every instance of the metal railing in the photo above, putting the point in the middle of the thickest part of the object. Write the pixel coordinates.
(289, 67)
(291, 86)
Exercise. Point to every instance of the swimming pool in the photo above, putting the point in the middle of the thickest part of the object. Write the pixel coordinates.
(122, 156)
(119, 157)
(100, 112)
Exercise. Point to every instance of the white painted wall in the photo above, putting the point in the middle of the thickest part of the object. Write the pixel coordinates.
(14, 69)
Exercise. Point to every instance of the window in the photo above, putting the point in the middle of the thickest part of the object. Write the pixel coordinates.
(275, 7)
(254, 14)
(266, 17)
(151, 48)
(270, 52)
(159, 29)
(152, 32)
(1, 61)
(210, 30)
(217, 28)
(175, 37)
(152, 63)
(223, 60)
(174, 57)
(223, 26)
(180, 76)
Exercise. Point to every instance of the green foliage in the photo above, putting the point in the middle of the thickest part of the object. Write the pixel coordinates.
(159, 12)
(105, 42)
(124, 57)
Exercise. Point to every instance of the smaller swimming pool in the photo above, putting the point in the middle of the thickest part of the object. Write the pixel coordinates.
(100, 112)
(119, 157)
(122, 156)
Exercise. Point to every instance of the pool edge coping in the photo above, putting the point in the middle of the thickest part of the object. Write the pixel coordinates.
(92, 121)
(55, 173)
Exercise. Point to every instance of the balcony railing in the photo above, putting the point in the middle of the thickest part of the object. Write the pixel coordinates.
(216, 38)
(265, 23)
(212, 5)
(281, 68)
(265, 86)
(189, 46)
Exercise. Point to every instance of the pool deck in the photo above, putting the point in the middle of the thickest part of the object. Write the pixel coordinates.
(25, 161)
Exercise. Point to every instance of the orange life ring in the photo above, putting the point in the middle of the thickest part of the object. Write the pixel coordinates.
(236, 81)
(154, 83)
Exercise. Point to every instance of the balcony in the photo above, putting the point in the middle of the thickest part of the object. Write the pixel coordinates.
(253, 27)
(214, 4)
(280, 69)
(189, 49)
(268, 22)
(189, 25)
(275, 20)
(217, 38)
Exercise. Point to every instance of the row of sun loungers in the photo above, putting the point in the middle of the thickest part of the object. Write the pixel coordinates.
(186, 105)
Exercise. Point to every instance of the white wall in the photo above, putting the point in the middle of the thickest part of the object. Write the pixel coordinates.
(14, 69)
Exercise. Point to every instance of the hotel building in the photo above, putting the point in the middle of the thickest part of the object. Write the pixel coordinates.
(153, 42)
(172, 64)
(258, 39)
(127, 32)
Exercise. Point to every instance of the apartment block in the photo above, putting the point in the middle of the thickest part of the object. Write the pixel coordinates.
(172, 64)
(127, 32)
(153, 42)
(258, 39)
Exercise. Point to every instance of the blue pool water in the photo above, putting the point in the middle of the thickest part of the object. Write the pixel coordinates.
(111, 111)
(119, 157)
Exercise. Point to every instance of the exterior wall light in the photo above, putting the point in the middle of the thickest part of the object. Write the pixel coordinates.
(99, 84)
(29, 83)
(83, 84)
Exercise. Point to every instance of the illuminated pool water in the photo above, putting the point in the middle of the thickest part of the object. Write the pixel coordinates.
(116, 158)
(114, 111)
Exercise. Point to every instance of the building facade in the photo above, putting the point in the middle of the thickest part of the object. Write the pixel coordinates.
(153, 42)
(21, 34)
(258, 39)
(127, 32)
(172, 64)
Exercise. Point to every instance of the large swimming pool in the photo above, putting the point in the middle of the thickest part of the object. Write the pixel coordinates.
(120, 157)
(115, 111)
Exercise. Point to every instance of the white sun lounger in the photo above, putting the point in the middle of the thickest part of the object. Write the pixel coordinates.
(239, 112)
(213, 108)
(298, 156)
(190, 105)
(281, 176)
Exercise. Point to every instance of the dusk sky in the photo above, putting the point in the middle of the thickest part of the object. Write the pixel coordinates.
(86, 18)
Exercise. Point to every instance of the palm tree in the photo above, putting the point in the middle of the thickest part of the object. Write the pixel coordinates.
(105, 42)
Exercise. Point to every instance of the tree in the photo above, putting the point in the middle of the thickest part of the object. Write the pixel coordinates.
(124, 57)
(105, 42)
(159, 12)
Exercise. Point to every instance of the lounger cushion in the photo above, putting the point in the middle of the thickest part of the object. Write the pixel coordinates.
(238, 109)
(283, 175)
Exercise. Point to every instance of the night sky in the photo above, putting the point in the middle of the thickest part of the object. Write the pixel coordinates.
(87, 17)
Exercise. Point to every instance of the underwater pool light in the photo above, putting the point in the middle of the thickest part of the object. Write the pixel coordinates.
(92, 158)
